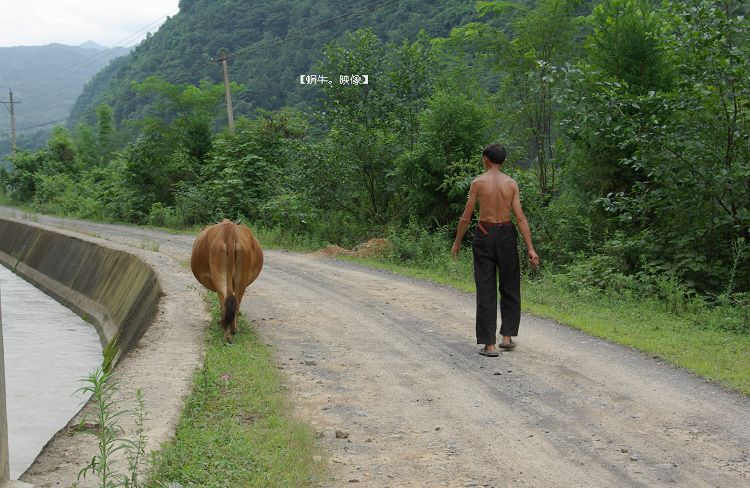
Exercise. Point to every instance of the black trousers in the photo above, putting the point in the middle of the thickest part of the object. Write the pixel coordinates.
(497, 251)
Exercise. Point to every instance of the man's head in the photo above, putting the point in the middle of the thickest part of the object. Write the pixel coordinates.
(494, 153)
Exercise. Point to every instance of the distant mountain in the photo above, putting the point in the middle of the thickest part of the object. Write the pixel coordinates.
(256, 35)
(46, 80)
(93, 45)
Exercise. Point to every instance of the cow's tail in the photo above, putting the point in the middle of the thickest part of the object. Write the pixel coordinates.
(230, 310)
(230, 304)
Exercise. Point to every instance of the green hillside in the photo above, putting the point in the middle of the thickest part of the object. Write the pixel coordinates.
(180, 52)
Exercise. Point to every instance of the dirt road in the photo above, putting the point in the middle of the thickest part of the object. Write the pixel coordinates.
(391, 364)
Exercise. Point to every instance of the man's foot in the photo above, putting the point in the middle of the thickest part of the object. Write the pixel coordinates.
(490, 353)
(507, 345)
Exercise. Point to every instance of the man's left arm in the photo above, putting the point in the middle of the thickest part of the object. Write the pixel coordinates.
(523, 225)
(465, 220)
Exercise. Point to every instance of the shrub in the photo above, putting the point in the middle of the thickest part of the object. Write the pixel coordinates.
(161, 216)
(60, 194)
(416, 244)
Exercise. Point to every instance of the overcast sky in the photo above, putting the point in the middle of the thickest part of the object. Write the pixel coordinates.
(106, 22)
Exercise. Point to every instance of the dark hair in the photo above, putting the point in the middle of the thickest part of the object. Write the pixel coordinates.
(495, 153)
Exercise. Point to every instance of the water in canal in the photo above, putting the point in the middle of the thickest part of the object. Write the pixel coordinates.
(48, 349)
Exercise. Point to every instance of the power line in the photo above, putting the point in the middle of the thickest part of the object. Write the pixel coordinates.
(82, 64)
(70, 117)
(99, 55)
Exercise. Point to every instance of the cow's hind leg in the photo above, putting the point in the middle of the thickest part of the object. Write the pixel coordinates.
(229, 317)
(235, 328)
(227, 310)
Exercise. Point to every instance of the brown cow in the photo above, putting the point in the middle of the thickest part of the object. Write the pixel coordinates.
(226, 259)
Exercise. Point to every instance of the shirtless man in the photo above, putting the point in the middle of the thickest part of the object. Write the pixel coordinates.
(495, 245)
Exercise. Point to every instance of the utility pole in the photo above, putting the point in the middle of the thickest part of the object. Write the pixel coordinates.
(9, 106)
(228, 93)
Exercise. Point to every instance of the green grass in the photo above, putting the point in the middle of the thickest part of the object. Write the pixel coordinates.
(5, 199)
(689, 338)
(236, 428)
(150, 245)
(277, 238)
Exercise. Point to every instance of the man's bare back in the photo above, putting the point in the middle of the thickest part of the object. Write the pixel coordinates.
(497, 195)
(495, 191)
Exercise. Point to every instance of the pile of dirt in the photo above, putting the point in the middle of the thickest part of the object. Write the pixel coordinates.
(333, 250)
(374, 247)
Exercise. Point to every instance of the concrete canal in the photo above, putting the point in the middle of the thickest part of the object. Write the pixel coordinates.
(48, 349)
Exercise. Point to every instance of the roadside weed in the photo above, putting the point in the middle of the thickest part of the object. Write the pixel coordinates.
(110, 435)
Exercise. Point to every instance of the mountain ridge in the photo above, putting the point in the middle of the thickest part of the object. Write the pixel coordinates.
(181, 50)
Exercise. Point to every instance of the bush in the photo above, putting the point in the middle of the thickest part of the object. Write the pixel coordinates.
(161, 216)
(60, 194)
(416, 244)
(191, 203)
(730, 312)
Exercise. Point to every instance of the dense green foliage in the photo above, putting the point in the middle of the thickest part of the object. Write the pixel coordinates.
(182, 50)
(627, 125)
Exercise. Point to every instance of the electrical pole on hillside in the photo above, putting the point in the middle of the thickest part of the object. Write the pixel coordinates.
(9, 106)
(227, 91)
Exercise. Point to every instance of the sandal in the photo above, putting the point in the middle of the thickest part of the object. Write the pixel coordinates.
(507, 346)
(489, 354)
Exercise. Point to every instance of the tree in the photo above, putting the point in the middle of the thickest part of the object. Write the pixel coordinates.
(411, 80)
(22, 181)
(367, 125)
(623, 51)
(185, 112)
(528, 61)
(105, 128)
(436, 174)
(62, 149)
(174, 143)
(86, 145)
(625, 44)
(705, 143)
(244, 172)
(362, 53)
(31, 168)
(688, 146)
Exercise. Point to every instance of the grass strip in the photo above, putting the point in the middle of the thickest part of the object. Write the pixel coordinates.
(236, 428)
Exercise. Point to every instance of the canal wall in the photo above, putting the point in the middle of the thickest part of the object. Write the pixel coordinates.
(163, 362)
(112, 289)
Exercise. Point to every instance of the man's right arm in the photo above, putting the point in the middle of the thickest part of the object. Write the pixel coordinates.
(523, 225)
(465, 220)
